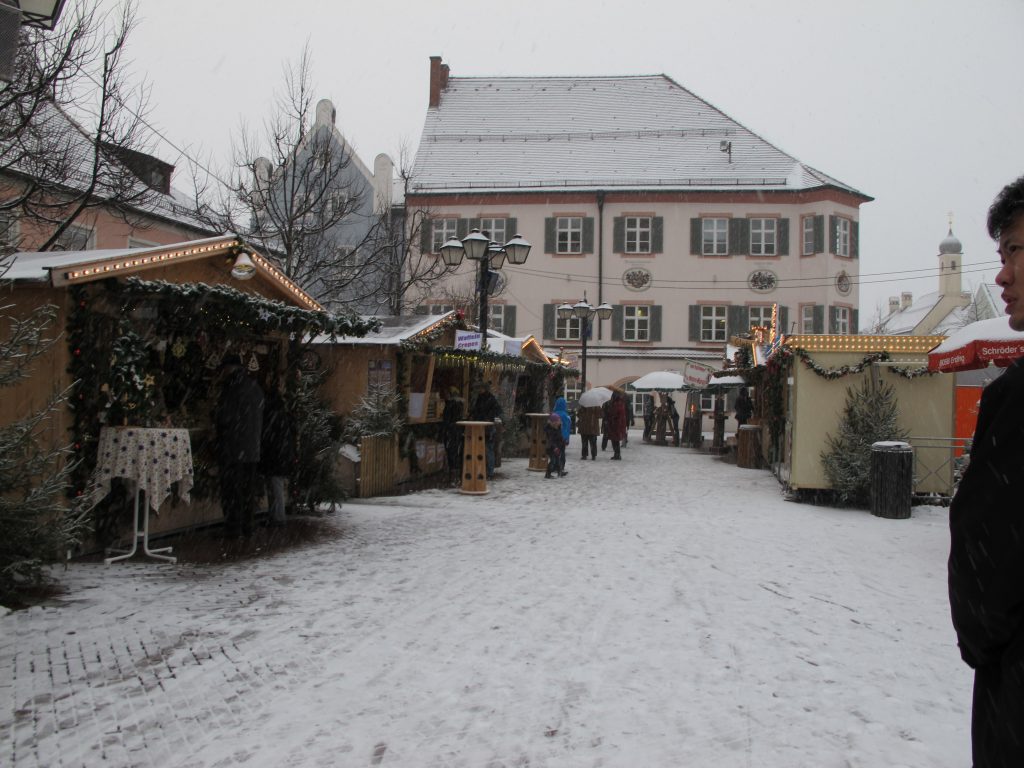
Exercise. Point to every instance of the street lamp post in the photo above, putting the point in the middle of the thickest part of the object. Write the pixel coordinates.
(585, 313)
(490, 256)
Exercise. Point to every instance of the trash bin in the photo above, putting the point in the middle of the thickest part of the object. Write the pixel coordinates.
(748, 446)
(892, 479)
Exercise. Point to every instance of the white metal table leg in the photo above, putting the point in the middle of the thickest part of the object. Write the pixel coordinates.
(137, 535)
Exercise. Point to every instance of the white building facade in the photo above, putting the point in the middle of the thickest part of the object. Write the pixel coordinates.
(634, 192)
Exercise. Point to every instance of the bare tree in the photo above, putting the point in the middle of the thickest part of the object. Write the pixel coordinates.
(298, 192)
(72, 126)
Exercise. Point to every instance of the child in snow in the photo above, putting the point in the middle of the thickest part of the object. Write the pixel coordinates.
(555, 445)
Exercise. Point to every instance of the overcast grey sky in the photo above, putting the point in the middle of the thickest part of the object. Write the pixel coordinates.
(917, 103)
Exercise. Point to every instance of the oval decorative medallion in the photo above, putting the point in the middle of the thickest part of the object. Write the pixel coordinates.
(763, 281)
(637, 279)
(843, 283)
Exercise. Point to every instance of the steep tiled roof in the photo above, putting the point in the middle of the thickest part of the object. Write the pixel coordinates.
(637, 132)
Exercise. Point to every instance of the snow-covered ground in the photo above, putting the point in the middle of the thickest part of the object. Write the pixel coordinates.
(666, 610)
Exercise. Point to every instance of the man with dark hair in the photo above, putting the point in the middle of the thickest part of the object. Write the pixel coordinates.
(487, 408)
(986, 519)
(239, 422)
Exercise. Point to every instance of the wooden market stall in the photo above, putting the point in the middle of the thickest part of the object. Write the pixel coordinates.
(804, 393)
(143, 332)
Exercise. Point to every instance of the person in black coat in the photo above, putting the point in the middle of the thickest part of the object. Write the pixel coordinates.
(744, 407)
(986, 521)
(238, 420)
(277, 453)
(487, 408)
(451, 432)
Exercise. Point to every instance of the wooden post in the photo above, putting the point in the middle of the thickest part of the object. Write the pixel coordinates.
(748, 447)
(538, 445)
(474, 457)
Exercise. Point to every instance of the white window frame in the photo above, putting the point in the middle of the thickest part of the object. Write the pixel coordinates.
(638, 234)
(807, 249)
(495, 229)
(77, 230)
(443, 230)
(807, 318)
(496, 319)
(764, 315)
(567, 329)
(842, 320)
(569, 234)
(842, 236)
(714, 236)
(636, 322)
(572, 390)
(439, 309)
(707, 402)
(713, 322)
(764, 237)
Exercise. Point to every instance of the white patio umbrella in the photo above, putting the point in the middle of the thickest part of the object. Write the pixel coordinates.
(664, 380)
(595, 397)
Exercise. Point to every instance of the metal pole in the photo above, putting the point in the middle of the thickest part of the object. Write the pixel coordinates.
(585, 331)
(485, 265)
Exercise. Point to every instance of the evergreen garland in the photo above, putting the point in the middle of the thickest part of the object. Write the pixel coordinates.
(870, 415)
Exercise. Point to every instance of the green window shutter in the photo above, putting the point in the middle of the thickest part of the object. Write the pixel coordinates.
(510, 320)
(617, 315)
(426, 235)
(588, 235)
(462, 229)
(657, 234)
(854, 321)
(819, 234)
(656, 322)
(696, 235)
(619, 235)
(783, 234)
(510, 229)
(472, 224)
(737, 320)
(783, 319)
(855, 239)
(833, 320)
(695, 320)
(549, 236)
(819, 319)
(833, 234)
(549, 321)
(739, 237)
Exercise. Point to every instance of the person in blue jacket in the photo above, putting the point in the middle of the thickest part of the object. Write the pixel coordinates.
(563, 412)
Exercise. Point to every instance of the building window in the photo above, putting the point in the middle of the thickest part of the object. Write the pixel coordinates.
(444, 230)
(134, 242)
(638, 234)
(636, 323)
(496, 321)
(807, 318)
(76, 239)
(808, 236)
(842, 237)
(494, 229)
(439, 309)
(763, 237)
(573, 389)
(707, 402)
(567, 329)
(760, 316)
(842, 320)
(715, 237)
(8, 233)
(712, 322)
(569, 234)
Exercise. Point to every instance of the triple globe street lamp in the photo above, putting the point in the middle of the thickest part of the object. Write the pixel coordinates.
(585, 313)
(490, 256)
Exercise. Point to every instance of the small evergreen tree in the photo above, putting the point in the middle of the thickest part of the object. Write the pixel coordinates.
(35, 525)
(870, 415)
(318, 430)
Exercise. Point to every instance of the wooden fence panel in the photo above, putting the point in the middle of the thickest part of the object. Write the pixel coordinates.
(377, 466)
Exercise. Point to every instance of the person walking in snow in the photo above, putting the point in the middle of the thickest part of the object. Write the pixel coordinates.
(554, 446)
(563, 413)
(588, 424)
(615, 424)
(238, 418)
(986, 521)
(744, 407)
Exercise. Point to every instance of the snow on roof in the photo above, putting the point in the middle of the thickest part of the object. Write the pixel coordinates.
(904, 321)
(394, 329)
(638, 132)
(993, 329)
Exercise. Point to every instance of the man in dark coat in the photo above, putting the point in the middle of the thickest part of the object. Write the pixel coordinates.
(487, 408)
(616, 424)
(277, 452)
(986, 519)
(239, 422)
(451, 432)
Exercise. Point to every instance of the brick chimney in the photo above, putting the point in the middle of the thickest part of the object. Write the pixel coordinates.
(438, 80)
(906, 299)
(894, 304)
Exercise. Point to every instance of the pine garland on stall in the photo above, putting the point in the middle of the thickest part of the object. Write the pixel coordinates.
(870, 415)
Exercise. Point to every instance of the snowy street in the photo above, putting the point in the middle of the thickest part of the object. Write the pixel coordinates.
(666, 610)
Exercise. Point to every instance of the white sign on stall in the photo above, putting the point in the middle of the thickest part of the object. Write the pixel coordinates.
(467, 339)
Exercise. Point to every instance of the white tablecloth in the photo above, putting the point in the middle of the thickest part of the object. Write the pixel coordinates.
(153, 457)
